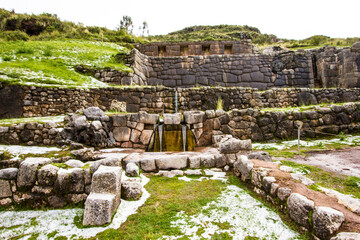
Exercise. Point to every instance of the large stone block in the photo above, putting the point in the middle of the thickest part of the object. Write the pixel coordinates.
(131, 189)
(8, 173)
(76, 180)
(147, 118)
(99, 208)
(46, 175)
(145, 136)
(299, 209)
(326, 221)
(118, 120)
(132, 170)
(107, 180)
(148, 165)
(122, 134)
(192, 117)
(172, 118)
(234, 146)
(172, 162)
(93, 113)
(27, 172)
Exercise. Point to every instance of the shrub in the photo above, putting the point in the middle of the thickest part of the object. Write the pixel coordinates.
(5, 155)
(14, 36)
(24, 50)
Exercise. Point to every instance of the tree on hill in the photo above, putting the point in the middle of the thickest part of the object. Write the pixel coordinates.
(126, 24)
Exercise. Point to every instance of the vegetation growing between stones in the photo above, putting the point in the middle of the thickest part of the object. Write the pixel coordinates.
(341, 183)
(6, 155)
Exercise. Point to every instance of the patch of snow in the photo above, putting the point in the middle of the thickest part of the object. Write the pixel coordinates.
(244, 215)
(17, 150)
(62, 221)
(55, 119)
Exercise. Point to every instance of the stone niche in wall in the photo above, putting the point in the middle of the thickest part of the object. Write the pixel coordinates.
(166, 49)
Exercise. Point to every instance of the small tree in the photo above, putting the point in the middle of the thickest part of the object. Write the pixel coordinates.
(126, 24)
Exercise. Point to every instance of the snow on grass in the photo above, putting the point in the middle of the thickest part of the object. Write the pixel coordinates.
(55, 119)
(234, 213)
(345, 140)
(21, 223)
(16, 150)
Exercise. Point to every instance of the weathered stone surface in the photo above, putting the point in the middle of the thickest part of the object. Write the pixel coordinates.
(172, 118)
(4, 129)
(107, 180)
(220, 160)
(261, 155)
(257, 175)
(148, 165)
(132, 170)
(192, 117)
(62, 182)
(194, 161)
(283, 193)
(230, 146)
(76, 180)
(86, 154)
(326, 221)
(122, 134)
(306, 98)
(8, 173)
(5, 202)
(27, 172)
(96, 125)
(267, 182)
(80, 122)
(208, 161)
(43, 190)
(131, 189)
(172, 162)
(145, 136)
(93, 113)
(273, 189)
(299, 209)
(74, 163)
(99, 209)
(170, 174)
(346, 236)
(243, 167)
(147, 118)
(118, 120)
(47, 175)
(5, 190)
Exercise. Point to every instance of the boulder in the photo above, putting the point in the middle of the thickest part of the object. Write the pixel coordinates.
(75, 146)
(132, 170)
(220, 160)
(171, 162)
(192, 117)
(131, 189)
(243, 167)
(93, 113)
(261, 155)
(96, 125)
(234, 145)
(85, 154)
(79, 122)
(46, 175)
(8, 173)
(172, 118)
(5, 190)
(299, 208)
(208, 161)
(326, 221)
(27, 171)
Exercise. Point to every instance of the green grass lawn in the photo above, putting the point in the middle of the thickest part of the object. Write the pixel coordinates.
(51, 63)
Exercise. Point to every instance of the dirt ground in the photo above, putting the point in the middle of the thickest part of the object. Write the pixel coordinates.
(345, 161)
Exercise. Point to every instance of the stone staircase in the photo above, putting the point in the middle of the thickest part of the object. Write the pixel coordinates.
(105, 196)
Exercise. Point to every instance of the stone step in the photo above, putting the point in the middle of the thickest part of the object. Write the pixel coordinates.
(104, 197)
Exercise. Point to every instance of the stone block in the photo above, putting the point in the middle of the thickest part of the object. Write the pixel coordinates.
(107, 180)
(131, 189)
(347, 235)
(99, 208)
(132, 170)
(5, 190)
(326, 221)
(146, 136)
(76, 180)
(8, 173)
(27, 171)
(121, 134)
(283, 193)
(267, 182)
(118, 120)
(46, 175)
(194, 161)
(172, 162)
(299, 208)
(148, 165)
(261, 155)
(172, 118)
(93, 113)
(243, 167)
(220, 160)
(147, 118)
(192, 117)
(208, 161)
(74, 163)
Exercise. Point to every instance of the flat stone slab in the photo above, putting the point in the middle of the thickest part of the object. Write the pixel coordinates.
(99, 209)
(26, 176)
(172, 162)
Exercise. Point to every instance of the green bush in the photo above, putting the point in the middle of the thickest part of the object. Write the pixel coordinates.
(14, 36)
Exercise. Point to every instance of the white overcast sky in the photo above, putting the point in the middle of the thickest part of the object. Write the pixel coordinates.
(285, 18)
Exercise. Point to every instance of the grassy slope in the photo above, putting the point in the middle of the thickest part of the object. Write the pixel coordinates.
(51, 63)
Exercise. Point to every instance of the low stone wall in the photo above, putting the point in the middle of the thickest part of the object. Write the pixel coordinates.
(39, 101)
